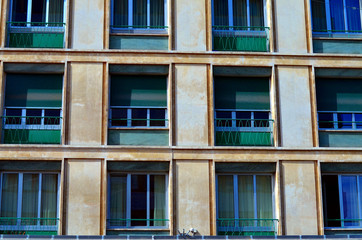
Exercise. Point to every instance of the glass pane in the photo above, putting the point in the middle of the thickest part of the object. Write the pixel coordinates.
(30, 199)
(264, 198)
(325, 120)
(13, 112)
(246, 196)
(38, 10)
(319, 16)
(345, 120)
(139, 117)
(118, 200)
(157, 9)
(243, 119)
(119, 117)
(221, 16)
(33, 116)
(350, 200)
(19, 11)
(120, 13)
(56, 8)
(358, 119)
(51, 116)
(158, 116)
(9, 198)
(256, 14)
(225, 194)
(331, 205)
(158, 200)
(222, 119)
(49, 199)
(337, 15)
(353, 15)
(240, 14)
(259, 116)
(140, 13)
(139, 200)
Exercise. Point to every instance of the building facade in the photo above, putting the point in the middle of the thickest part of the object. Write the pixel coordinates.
(151, 117)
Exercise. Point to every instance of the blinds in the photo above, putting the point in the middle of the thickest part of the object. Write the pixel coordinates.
(33, 90)
(339, 95)
(242, 93)
(138, 91)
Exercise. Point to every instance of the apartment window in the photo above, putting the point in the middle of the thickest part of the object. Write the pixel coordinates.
(239, 25)
(137, 201)
(36, 23)
(245, 205)
(29, 203)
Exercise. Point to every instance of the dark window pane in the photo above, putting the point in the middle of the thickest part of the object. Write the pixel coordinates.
(256, 14)
(140, 13)
(139, 117)
(118, 200)
(38, 10)
(243, 119)
(120, 13)
(157, 9)
(119, 117)
(259, 116)
(319, 16)
(331, 201)
(345, 120)
(221, 16)
(33, 116)
(337, 15)
(222, 119)
(239, 13)
(138, 200)
(19, 11)
(350, 200)
(157, 199)
(325, 120)
(358, 119)
(157, 117)
(15, 116)
(52, 117)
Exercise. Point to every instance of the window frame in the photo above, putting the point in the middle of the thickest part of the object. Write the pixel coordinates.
(335, 123)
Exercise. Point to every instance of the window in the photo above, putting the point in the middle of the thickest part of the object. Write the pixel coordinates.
(137, 201)
(239, 25)
(37, 23)
(342, 201)
(29, 203)
(245, 205)
(33, 109)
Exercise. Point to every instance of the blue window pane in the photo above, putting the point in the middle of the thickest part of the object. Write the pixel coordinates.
(358, 120)
(349, 200)
(353, 15)
(337, 15)
(345, 120)
(325, 120)
(222, 119)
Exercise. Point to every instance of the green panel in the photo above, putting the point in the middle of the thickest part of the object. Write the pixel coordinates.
(241, 43)
(241, 93)
(33, 90)
(140, 166)
(245, 167)
(36, 233)
(148, 234)
(337, 46)
(138, 42)
(339, 94)
(26, 136)
(36, 40)
(138, 137)
(243, 139)
(30, 165)
(340, 139)
(138, 90)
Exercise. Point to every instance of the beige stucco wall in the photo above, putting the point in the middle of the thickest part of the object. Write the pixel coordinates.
(88, 18)
(192, 196)
(191, 105)
(290, 31)
(83, 206)
(85, 109)
(300, 206)
(190, 25)
(295, 108)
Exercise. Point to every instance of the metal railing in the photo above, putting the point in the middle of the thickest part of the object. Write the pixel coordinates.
(236, 38)
(243, 132)
(343, 223)
(35, 35)
(127, 223)
(337, 33)
(29, 226)
(247, 227)
(138, 29)
(31, 130)
(339, 120)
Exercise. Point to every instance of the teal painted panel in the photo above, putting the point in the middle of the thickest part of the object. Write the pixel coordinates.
(36, 40)
(26, 136)
(244, 43)
(340, 139)
(138, 137)
(337, 46)
(139, 42)
(243, 139)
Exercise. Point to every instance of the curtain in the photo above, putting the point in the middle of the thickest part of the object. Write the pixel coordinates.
(38, 11)
(337, 15)
(240, 17)
(9, 197)
(30, 198)
(246, 196)
(353, 15)
(19, 11)
(140, 13)
(264, 197)
(221, 16)
(56, 8)
(319, 15)
(256, 14)
(120, 13)
(157, 9)
(159, 211)
(350, 199)
(49, 196)
(118, 200)
(225, 197)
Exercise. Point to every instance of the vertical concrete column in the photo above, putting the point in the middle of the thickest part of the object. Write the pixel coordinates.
(295, 107)
(85, 109)
(290, 26)
(88, 24)
(192, 206)
(83, 194)
(190, 25)
(191, 126)
(300, 200)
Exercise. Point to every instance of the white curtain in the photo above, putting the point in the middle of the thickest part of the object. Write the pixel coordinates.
(9, 196)
(118, 200)
(159, 211)
(30, 198)
(256, 13)
(225, 196)
(49, 196)
(56, 8)
(246, 196)
(264, 197)
(120, 13)
(240, 17)
(140, 13)
(157, 10)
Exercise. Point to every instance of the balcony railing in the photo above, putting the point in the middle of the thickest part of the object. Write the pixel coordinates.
(115, 223)
(234, 38)
(337, 33)
(247, 227)
(35, 35)
(339, 120)
(243, 132)
(138, 29)
(31, 130)
(343, 223)
(29, 226)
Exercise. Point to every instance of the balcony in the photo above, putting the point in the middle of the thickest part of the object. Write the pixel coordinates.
(29, 226)
(247, 227)
(35, 35)
(248, 39)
